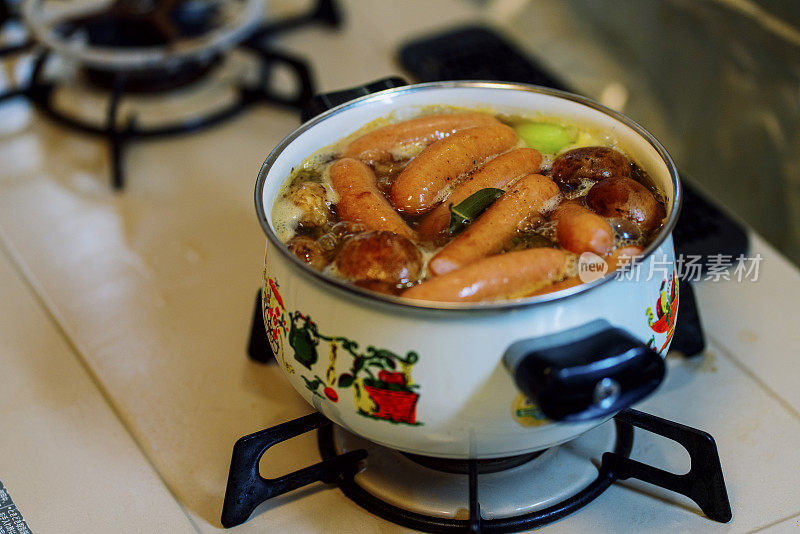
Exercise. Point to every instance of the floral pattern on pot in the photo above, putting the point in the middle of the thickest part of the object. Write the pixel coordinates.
(275, 320)
(379, 378)
(666, 314)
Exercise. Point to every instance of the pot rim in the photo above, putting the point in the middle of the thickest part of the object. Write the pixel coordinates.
(370, 297)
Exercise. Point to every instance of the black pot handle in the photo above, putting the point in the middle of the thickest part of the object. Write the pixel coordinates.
(585, 373)
(324, 102)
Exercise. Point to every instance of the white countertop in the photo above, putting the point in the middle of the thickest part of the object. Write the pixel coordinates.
(65, 457)
(124, 321)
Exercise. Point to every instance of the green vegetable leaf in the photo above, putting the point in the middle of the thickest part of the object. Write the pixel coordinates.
(471, 207)
(545, 137)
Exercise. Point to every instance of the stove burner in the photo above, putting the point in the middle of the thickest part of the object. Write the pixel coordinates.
(246, 488)
(140, 24)
(145, 23)
(462, 467)
(143, 46)
(126, 35)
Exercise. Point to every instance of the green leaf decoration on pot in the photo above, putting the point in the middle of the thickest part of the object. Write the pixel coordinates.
(471, 207)
(304, 340)
(379, 379)
(411, 358)
(345, 380)
(313, 385)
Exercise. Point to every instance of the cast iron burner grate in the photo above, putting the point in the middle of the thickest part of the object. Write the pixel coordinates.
(246, 489)
(123, 28)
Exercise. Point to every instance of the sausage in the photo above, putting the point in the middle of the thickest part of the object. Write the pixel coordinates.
(589, 163)
(622, 256)
(580, 230)
(360, 200)
(530, 196)
(419, 187)
(376, 145)
(510, 275)
(379, 257)
(626, 198)
(496, 173)
(616, 259)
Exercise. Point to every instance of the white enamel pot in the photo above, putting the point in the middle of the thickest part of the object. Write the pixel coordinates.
(469, 381)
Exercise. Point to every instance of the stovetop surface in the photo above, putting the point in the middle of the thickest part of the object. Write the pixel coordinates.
(152, 290)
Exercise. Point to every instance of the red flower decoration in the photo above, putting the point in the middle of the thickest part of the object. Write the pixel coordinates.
(274, 288)
(392, 378)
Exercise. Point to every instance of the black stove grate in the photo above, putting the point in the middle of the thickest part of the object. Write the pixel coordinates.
(246, 488)
(121, 131)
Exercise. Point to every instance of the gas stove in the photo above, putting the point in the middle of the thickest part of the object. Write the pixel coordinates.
(133, 49)
(133, 367)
